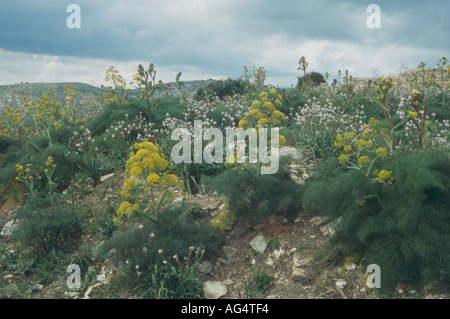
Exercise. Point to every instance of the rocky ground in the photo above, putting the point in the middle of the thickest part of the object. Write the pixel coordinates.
(291, 253)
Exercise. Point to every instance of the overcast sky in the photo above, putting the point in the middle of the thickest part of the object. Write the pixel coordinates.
(216, 38)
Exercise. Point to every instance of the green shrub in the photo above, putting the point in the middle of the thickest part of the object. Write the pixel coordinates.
(65, 165)
(293, 101)
(46, 230)
(256, 195)
(311, 79)
(114, 113)
(407, 231)
(10, 154)
(166, 105)
(173, 232)
(220, 89)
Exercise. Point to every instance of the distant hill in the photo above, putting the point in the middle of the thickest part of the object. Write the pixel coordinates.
(12, 94)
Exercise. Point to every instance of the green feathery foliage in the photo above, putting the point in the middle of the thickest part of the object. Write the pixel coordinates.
(406, 231)
(257, 195)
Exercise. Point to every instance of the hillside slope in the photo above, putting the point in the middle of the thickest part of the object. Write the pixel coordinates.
(12, 94)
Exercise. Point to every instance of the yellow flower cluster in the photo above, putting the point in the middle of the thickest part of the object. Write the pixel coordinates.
(23, 175)
(383, 177)
(363, 144)
(361, 153)
(49, 169)
(127, 209)
(44, 113)
(50, 163)
(146, 158)
(11, 120)
(343, 158)
(382, 151)
(265, 111)
(360, 202)
(146, 169)
(364, 161)
(413, 114)
(386, 84)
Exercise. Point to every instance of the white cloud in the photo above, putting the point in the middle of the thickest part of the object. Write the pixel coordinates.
(22, 67)
(216, 38)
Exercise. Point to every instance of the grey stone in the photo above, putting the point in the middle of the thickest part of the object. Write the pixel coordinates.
(299, 274)
(277, 254)
(301, 262)
(205, 267)
(324, 230)
(8, 228)
(333, 226)
(259, 243)
(214, 290)
(341, 284)
(290, 151)
(318, 220)
(229, 252)
(269, 262)
(105, 177)
(350, 266)
(227, 282)
(101, 278)
(177, 202)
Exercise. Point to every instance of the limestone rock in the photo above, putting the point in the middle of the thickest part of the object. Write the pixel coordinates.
(301, 262)
(269, 262)
(333, 226)
(205, 267)
(317, 221)
(259, 243)
(290, 151)
(227, 282)
(341, 284)
(299, 274)
(229, 252)
(177, 202)
(277, 254)
(8, 228)
(105, 177)
(214, 289)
